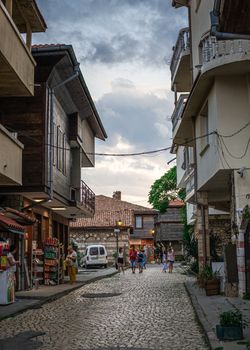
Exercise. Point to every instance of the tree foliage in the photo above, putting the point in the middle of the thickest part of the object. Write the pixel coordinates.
(163, 190)
(161, 193)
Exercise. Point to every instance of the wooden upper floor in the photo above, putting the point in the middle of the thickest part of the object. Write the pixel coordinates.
(58, 127)
(17, 65)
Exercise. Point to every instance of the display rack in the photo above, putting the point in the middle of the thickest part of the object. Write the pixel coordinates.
(53, 262)
(37, 267)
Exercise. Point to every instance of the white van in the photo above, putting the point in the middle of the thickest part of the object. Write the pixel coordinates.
(95, 255)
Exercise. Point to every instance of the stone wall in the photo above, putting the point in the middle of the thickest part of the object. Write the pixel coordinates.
(85, 237)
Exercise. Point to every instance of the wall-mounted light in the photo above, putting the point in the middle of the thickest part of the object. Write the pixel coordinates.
(58, 208)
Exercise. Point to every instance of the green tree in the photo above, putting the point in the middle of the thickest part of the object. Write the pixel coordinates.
(163, 190)
(161, 193)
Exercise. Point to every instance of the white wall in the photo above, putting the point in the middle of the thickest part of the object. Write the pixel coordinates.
(200, 25)
(208, 161)
(179, 162)
(191, 210)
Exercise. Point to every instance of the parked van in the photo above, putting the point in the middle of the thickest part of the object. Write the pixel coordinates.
(95, 255)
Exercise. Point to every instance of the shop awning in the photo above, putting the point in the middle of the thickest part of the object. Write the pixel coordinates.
(9, 225)
(19, 217)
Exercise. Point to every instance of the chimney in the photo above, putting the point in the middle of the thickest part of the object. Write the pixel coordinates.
(117, 195)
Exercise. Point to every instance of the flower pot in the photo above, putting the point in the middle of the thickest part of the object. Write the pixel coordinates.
(212, 287)
(229, 332)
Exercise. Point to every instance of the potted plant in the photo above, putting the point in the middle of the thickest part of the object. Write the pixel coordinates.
(231, 326)
(209, 280)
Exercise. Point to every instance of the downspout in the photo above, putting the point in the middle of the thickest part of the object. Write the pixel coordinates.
(215, 24)
(51, 149)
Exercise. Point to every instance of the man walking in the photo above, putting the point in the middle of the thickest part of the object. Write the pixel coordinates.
(132, 258)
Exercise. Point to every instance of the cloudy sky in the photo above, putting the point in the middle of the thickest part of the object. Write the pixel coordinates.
(124, 47)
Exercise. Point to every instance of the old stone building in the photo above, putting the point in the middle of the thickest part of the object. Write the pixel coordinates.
(135, 223)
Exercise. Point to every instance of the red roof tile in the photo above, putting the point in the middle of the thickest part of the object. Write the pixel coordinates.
(109, 210)
(7, 223)
(176, 203)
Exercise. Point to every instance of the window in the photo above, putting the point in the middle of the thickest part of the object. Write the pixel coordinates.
(102, 251)
(93, 251)
(61, 150)
(138, 221)
(204, 130)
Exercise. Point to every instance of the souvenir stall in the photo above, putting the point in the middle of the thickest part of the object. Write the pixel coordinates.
(10, 233)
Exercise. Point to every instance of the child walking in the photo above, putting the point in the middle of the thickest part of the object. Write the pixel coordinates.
(164, 265)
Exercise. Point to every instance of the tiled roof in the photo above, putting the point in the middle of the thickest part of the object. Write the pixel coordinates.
(176, 203)
(109, 210)
(108, 203)
(44, 46)
(106, 218)
(9, 224)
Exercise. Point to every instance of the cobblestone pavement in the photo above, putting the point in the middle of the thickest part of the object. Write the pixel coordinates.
(147, 311)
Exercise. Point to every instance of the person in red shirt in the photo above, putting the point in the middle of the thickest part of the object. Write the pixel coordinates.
(133, 258)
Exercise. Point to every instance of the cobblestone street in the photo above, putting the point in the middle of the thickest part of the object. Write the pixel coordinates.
(142, 311)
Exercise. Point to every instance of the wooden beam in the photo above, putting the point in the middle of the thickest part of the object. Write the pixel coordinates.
(9, 6)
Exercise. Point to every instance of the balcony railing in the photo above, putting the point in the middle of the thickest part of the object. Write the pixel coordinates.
(212, 49)
(87, 198)
(177, 114)
(182, 46)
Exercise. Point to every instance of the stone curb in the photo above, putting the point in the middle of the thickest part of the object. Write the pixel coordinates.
(56, 296)
(202, 320)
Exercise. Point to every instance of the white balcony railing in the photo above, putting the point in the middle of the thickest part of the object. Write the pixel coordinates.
(182, 46)
(177, 114)
(212, 49)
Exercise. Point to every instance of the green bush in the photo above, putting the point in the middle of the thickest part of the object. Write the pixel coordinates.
(207, 273)
(232, 318)
(194, 267)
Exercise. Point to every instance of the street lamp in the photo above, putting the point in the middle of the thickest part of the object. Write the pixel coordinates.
(117, 231)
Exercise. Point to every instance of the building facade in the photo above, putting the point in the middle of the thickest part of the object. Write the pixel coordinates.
(57, 128)
(210, 78)
(169, 227)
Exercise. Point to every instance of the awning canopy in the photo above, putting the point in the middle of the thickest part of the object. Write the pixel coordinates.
(19, 217)
(9, 225)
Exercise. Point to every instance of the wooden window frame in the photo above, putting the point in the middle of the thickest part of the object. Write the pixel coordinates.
(139, 216)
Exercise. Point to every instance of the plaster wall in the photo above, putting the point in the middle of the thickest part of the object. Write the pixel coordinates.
(200, 26)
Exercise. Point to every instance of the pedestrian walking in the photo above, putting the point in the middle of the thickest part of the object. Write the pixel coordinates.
(144, 261)
(164, 265)
(71, 263)
(132, 258)
(171, 258)
(140, 258)
(120, 260)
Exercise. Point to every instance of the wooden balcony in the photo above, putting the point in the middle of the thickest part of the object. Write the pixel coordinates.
(180, 63)
(87, 200)
(10, 159)
(16, 62)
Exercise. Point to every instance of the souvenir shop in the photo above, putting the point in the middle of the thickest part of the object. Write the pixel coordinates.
(41, 240)
(12, 234)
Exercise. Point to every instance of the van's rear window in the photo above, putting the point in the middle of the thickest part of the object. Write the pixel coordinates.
(102, 252)
(93, 251)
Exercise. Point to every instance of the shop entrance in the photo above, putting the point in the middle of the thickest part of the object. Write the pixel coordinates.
(247, 257)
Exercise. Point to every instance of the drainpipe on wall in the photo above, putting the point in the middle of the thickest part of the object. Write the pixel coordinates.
(215, 23)
(51, 148)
